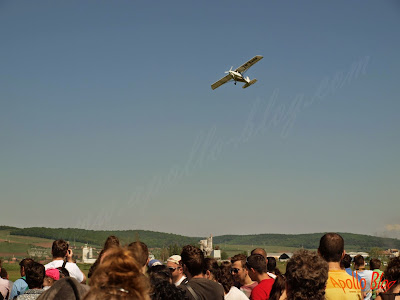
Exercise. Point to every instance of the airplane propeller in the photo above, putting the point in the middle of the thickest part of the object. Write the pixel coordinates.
(229, 70)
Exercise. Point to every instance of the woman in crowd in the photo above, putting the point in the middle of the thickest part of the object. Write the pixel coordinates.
(225, 278)
(112, 241)
(211, 269)
(306, 276)
(118, 276)
(392, 275)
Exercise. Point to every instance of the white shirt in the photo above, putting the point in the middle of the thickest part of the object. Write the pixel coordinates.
(72, 268)
(180, 280)
(235, 294)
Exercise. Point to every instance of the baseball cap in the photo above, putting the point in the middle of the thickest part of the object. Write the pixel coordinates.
(175, 259)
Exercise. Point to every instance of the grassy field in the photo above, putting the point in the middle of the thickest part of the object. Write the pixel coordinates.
(235, 249)
(13, 270)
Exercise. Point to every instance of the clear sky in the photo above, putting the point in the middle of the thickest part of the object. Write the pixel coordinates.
(108, 121)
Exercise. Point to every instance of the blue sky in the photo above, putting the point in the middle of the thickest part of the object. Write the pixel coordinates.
(108, 121)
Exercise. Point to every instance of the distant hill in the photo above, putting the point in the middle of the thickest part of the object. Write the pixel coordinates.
(159, 239)
(353, 241)
(152, 239)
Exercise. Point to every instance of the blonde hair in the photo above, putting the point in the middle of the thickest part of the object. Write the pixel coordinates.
(118, 276)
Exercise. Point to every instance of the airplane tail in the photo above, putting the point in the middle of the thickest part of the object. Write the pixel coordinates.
(251, 82)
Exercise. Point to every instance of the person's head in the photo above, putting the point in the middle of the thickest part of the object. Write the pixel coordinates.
(256, 265)
(51, 276)
(35, 276)
(163, 290)
(3, 273)
(192, 261)
(306, 276)
(59, 249)
(278, 287)
(119, 276)
(25, 264)
(259, 251)
(111, 241)
(238, 269)
(346, 261)
(225, 277)
(331, 247)
(211, 269)
(174, 266)
(141, 253)
(359, 261)
(374, 264)
(392, 273)
(271, 265)
(159, 273)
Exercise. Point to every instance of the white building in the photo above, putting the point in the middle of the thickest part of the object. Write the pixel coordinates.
(207, 246)
(87, 255)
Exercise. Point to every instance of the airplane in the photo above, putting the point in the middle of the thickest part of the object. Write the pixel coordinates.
(237, 74)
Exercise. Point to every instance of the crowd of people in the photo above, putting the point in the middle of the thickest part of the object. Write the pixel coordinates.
(126, 272)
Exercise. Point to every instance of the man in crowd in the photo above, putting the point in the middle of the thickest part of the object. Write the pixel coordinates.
(34, 277)
(173, 263)
(62, 257)
(20, 285)
(263, 253)
(346, 263)
(331, 248)
(197, 286)
(366, 276)
(241, 275)
(375, 267)
(256, 266)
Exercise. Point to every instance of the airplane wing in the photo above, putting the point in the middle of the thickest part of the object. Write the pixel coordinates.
(248, 64)
(222, 81)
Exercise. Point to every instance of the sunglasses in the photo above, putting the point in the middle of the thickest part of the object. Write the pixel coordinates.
(172, 269)
(235, 270)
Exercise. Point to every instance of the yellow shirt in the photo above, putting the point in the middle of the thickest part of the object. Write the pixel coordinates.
(341, 285)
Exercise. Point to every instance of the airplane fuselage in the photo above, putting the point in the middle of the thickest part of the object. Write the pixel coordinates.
(236, 76)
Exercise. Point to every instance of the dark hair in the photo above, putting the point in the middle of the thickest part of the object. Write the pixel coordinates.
(164, 290)
(59, 248)
(271, 265)
(211, 264)
(346, 261)
(257, 262)
(331, 247)
(259, 251)
(26, 263)
(392, 272)
(140, 252)
(193, 259)
(225, 277)
(374, 263)
(158, 273)
(3, 273)
(306, 276)
(239, 257)
(111, 241)
(63, 272)
(35, 275)
(359, 260)
(277, 288)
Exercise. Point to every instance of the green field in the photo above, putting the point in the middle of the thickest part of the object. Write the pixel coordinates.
(13, 270)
